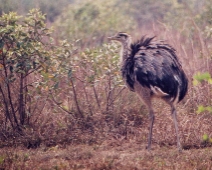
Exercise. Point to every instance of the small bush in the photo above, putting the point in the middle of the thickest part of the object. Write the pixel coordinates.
(26, 57)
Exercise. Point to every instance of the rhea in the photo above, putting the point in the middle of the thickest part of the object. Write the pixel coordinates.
(152, 69)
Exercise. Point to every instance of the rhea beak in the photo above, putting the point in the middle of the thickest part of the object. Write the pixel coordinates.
(112, 38)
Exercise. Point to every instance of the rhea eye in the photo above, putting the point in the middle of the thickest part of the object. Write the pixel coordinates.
(122, 35)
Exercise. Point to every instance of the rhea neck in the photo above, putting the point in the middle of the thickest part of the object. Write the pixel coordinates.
(125, 50)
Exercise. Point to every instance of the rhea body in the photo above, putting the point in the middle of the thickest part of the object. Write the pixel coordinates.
(151, 69)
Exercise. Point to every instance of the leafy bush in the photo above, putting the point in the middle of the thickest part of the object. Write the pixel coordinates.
(203, 77)
(26, 56)
(200, 78)
(94, 82)
(41, 80)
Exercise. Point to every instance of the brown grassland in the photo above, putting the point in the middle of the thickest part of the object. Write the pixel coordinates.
(116, 151)
(100, 125)
(117, 141)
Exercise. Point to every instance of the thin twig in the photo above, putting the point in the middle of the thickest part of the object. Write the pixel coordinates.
(59, 104)
(75, 98)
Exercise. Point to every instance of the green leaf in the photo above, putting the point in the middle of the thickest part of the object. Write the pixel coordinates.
(200, 109)
(2, 160)
(195, 82)
(45, 75)
(202, 76)
(65, 107)
(210, 81)
(205, 137)
(209, 108)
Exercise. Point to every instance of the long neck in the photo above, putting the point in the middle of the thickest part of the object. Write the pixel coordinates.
(125, 50)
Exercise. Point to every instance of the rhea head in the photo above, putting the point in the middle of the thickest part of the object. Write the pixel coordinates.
(121, 37)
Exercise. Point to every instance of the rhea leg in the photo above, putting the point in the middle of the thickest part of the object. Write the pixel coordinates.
(151, 118)
(174, 116)
(145, 95)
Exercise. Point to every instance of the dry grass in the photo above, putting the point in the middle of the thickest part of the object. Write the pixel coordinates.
(117, 139)
(125, 155)
(120, 145)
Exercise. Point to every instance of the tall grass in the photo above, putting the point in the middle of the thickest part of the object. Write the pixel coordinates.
(109, 111)
(90, 103)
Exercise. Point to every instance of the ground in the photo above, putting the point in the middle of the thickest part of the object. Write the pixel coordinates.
(120, 147)
(118, 155)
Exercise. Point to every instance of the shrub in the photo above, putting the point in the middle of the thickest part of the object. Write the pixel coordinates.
(27, 54)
